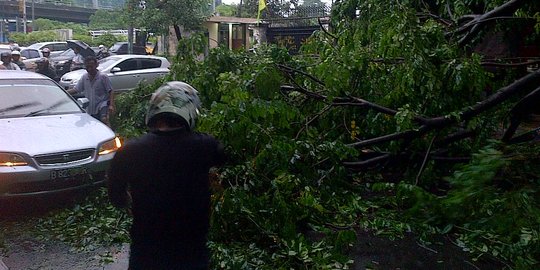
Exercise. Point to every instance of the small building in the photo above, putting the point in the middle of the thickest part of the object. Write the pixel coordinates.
(235, 33)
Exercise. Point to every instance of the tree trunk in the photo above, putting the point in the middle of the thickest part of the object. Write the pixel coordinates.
(177, 32)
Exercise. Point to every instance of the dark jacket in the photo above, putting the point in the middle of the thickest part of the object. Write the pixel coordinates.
(21, 65)
(49, 72)
(167, 177)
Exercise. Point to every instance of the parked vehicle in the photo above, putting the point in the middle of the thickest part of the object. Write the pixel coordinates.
(5, 48)
(62, 62)
(122, 48)
(49, 143)
(56, 47)
(125, 71)
(34, 52)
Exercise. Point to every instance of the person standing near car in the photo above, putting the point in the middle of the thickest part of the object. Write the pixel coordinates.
(103, 52)
(170, 198)
(6, 61)
(16, 59)
(97, 87)
(77, 62)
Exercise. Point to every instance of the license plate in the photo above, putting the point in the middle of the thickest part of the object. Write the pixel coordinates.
(68, 173)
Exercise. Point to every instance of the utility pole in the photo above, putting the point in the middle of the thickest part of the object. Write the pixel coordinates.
(22, 12)
(33, 19)
(130, 27)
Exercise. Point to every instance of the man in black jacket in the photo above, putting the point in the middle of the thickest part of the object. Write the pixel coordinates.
(165, 175)
(44, 67)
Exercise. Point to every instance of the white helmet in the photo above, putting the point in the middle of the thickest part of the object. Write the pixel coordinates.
(178, 98)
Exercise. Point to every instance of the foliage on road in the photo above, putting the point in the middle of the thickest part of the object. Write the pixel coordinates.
(89, 225)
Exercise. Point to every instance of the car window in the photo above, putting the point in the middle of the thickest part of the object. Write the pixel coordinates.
(38, 96)
(35, 46)
(60, 47)
(107, 62)
(30, 53)
(150, 63)
(116, 47)
(68, 52)
(127, 65)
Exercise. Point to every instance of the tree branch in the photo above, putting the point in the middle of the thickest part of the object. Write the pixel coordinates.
(505, 9)
(326, 31)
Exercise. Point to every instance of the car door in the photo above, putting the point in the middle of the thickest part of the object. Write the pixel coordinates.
(151, 69)
(125, 75)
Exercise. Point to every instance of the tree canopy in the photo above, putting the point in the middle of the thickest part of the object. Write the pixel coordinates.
(396, 112)
(157, 16)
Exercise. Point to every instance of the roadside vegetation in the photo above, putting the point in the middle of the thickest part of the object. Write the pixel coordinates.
(46, 30)
(293, 195)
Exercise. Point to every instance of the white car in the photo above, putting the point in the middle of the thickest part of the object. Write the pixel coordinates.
(48, 144)
(125, 71)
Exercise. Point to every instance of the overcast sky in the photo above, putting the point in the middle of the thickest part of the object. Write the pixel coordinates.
(238, 1)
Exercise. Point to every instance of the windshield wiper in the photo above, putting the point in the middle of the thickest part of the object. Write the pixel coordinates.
(19, 106)
(34, 113)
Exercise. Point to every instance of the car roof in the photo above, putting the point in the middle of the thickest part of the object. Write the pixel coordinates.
(40, 44)
(20, 74)
(123, 56)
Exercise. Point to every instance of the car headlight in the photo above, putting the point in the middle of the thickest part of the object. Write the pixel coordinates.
(11, 160)
(110, 146)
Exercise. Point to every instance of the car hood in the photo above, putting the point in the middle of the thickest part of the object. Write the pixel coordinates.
(53, 133)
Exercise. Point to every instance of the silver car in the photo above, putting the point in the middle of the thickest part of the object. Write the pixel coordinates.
(125, 71)
(48, 143)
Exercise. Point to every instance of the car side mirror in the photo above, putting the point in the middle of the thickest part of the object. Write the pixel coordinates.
(115, 69)
(83, 102)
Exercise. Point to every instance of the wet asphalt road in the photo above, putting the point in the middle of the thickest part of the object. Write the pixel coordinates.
(20, 250)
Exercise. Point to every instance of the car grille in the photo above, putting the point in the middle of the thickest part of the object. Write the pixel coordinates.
(65, 157)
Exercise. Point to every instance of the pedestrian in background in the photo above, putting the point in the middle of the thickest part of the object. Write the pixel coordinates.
(164, 175)
(97, 87)
(103, 52)
(45, 68)
(6, 61)
(77, 62)
(16, 59)
(46, 52)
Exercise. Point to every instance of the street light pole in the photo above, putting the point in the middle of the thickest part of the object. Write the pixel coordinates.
(33, 24)
(24, 16)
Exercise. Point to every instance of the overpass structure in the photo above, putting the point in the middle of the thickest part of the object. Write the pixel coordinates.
(77, 11)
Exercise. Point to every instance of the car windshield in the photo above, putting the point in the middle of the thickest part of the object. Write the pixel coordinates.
(107, 62)
(34, 97)
(68, 52)
(116, 46)
(36, 46)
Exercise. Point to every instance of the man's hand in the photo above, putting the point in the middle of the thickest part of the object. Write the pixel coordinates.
(112, 109)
